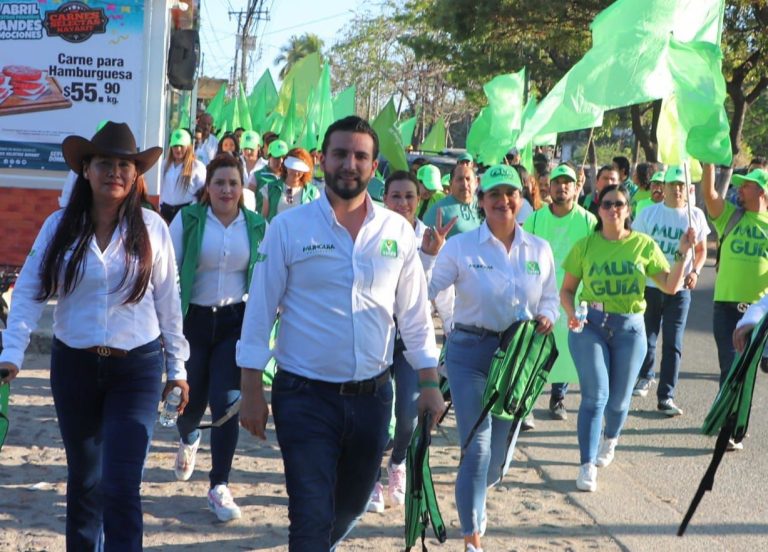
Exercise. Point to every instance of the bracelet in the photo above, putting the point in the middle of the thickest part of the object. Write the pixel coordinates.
(429, 384)
(679, 256)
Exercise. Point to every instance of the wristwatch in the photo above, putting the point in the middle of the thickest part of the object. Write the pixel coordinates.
(696, 271)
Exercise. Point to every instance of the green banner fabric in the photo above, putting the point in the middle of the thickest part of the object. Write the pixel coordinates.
(298, 83)
(435, 140)
(627, 63)
(243, 110)
(216, 105)
(389, 137)
(344, 103)
(292, 124)
(407, 129)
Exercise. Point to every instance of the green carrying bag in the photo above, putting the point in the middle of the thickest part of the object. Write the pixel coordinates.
(728, 416)
(519, 370)
(271, 368)
(421, 507)
(5, 391)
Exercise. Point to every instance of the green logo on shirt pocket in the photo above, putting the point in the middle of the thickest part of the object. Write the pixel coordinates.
(532, 267)
(388, 248)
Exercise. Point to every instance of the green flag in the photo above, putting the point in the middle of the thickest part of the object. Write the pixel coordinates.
(628, 30)
(184, 106)
(389, 137)
(344, 103)
(297, 84)
(700, 92)
(292, 124)
(325, 113)
(435, 140)
(407, 128)
(264, 88)
(227, 114)
(477, 137)
(274, 122)
(216, 105)
(243, 110)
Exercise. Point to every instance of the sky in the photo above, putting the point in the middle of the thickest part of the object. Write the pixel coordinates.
(325, 18)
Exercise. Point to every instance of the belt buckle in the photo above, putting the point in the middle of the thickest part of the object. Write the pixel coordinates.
(349, 388)
(103, 351)
(742, 307)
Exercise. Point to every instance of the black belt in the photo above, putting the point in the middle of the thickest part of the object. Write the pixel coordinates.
(476, 330)
(741, 307)
(235, 307)
(348, 388)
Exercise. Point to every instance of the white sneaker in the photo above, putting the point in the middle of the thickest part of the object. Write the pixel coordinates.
(606, 452)
(222, 504)
(396, 485)
(185, 460)
(376, 503)
(587, 480)
(733, 445)
(471, 548)
(642, 387)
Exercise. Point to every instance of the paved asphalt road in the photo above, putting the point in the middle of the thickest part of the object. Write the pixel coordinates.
(643, 495)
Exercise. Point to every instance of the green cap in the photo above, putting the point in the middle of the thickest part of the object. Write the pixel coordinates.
(429, 176)
(465, 157)
(658, 177)
(562, 170)
(758, 176)
(180, 137)
(500, 175)
(446, 180)
(674, 174)
(250, 140)
(278, 148)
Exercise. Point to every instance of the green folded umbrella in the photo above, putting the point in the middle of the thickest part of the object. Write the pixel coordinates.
(729, 414)
(519, 370)
(5, 391)
(421, 507)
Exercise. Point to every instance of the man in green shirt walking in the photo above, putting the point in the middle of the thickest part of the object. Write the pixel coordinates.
(562, 223)
(462, 203)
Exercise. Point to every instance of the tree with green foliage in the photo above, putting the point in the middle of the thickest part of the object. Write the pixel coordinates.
(297, 48)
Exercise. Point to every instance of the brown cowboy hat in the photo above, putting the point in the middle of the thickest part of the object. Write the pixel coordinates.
(112, 140)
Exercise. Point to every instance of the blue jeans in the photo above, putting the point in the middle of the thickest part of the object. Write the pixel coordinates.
(558, 391)
(332, 447)
(468, 360)
(214, 379)
(406, 406)
(608, 355)
(725, 316)
(668, 313)
(107, 408)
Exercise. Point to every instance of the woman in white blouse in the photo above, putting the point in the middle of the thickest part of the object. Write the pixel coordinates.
(501, 274)
(110, 264)
(183, 175)
(216, 245)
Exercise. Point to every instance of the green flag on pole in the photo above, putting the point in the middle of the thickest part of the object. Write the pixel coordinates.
(216, 105)
(297, 84)
(435, 140)
(292, 124)
(389, 137)
(325, 113)
(264, 87)
(636, 30)
(244, 110)
(407, 129)
(344, 103)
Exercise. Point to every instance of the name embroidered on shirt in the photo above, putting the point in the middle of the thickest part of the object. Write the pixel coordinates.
(532, 267)
(480, 266)
(388, 248)
(315, 247)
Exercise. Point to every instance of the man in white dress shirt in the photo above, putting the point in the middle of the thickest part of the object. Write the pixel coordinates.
(337, 270)
(209, 144)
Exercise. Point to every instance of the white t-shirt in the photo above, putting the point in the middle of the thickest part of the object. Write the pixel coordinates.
(666, 225)
(171, 192)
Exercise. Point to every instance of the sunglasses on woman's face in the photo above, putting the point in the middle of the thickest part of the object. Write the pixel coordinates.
(608, 204)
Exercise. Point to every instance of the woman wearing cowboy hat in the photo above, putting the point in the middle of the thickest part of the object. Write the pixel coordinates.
(111, 266)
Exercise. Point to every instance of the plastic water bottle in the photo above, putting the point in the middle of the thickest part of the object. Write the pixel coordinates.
(169, 414)
(581, 316)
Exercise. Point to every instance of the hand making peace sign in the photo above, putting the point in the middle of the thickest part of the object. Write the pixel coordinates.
(434, 236)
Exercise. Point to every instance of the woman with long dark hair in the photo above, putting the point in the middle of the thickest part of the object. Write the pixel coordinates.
(117, 325)
(183, 175)
(609, 348)
(216, 243)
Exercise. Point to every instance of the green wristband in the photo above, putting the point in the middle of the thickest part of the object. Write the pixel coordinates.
(429, 384)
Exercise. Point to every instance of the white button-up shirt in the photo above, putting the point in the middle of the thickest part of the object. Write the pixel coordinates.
(207, 149)
(337, 297)
(494, 288)
(222, 267)
(754, 313)
(94, 313)
(171, 191)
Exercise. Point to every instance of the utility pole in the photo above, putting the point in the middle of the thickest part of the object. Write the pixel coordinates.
(246, 23)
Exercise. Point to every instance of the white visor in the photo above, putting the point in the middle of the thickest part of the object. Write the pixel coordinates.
(295, 164)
